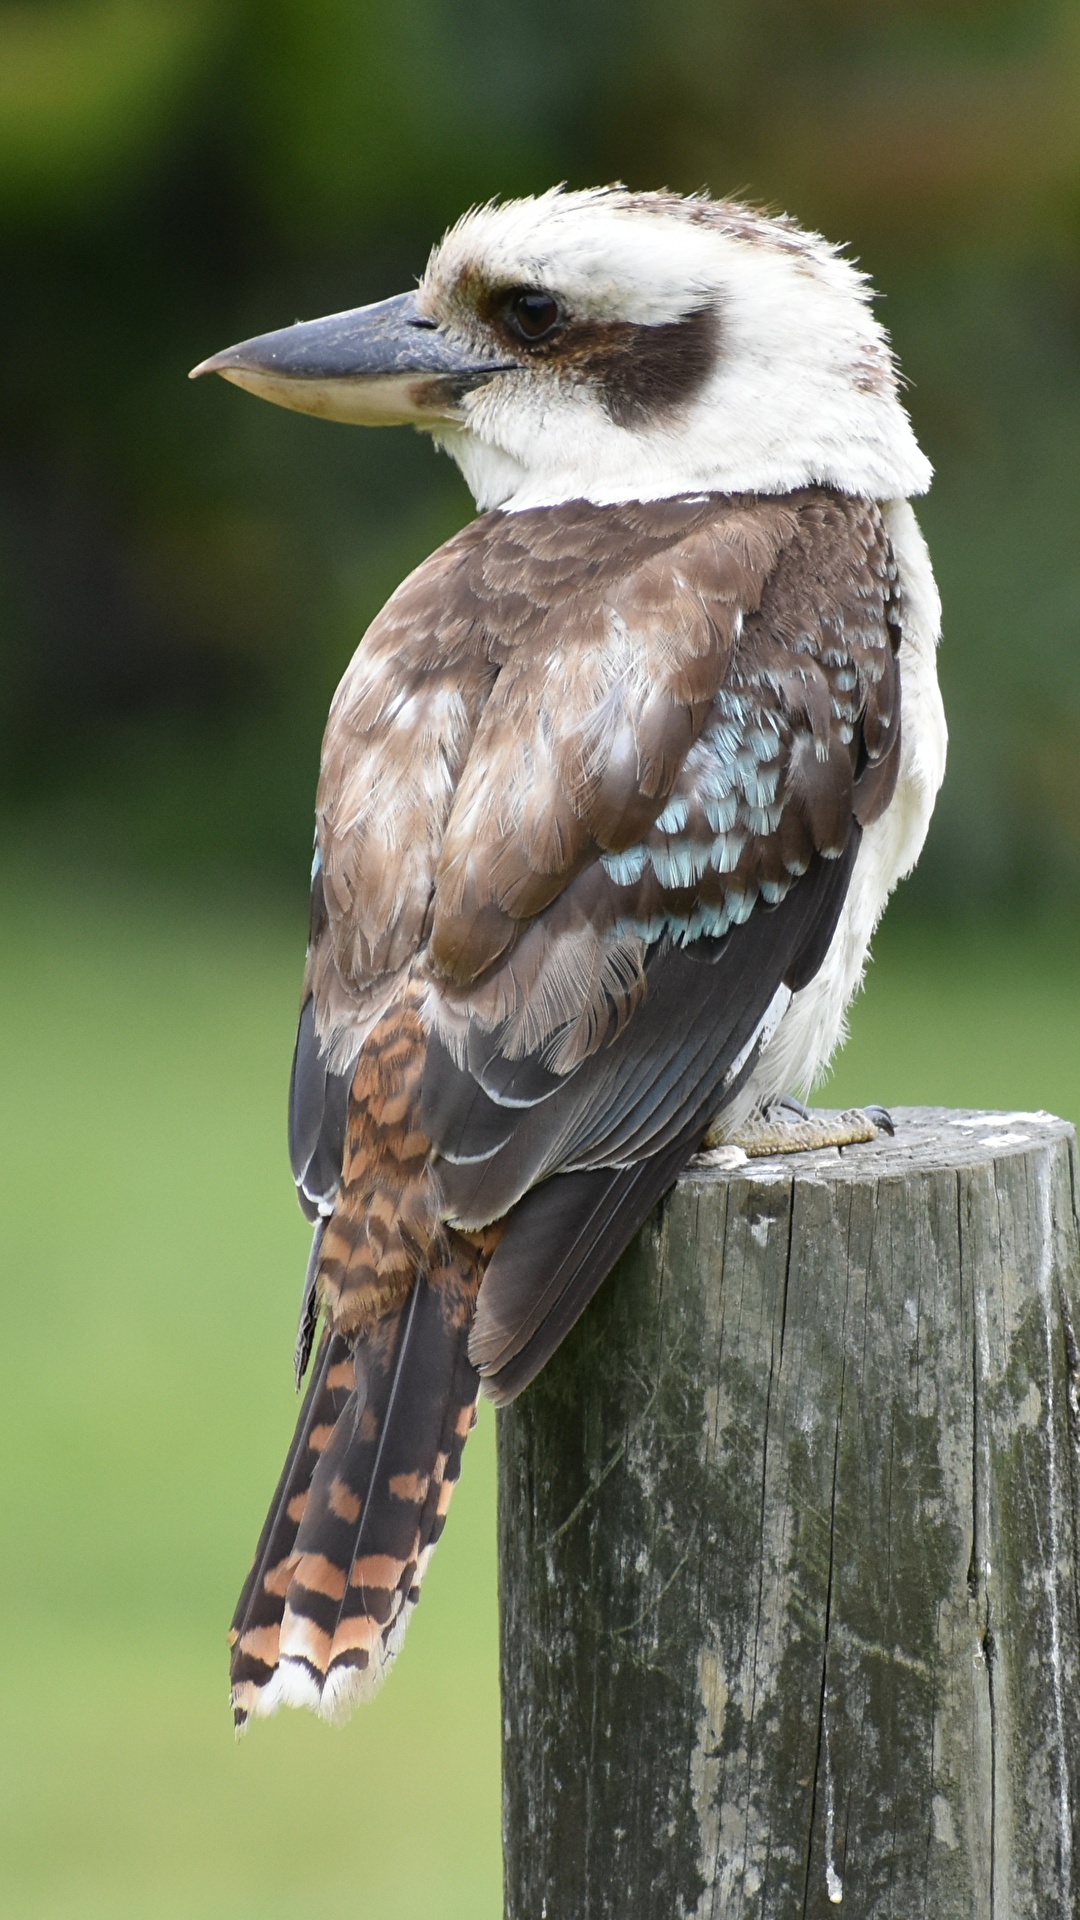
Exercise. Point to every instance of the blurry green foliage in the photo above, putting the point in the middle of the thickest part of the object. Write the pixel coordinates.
(183, 574)
(87, 92)
(919, 127)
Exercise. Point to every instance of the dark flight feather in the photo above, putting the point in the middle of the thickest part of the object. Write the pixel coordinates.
(318, 1104)
(563, 1236)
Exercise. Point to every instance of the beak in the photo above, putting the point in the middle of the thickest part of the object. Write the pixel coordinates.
(383, 365)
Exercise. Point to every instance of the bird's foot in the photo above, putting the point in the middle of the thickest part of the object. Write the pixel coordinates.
(805, 1131)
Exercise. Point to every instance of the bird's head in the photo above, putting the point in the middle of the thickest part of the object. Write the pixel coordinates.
(611, 345)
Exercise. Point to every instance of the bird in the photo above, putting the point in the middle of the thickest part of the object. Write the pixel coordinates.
(612, 796)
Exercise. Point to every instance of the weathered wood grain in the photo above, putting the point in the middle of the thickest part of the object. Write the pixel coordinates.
(789, 1549)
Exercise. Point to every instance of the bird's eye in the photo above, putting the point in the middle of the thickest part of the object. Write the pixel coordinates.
(533, 315)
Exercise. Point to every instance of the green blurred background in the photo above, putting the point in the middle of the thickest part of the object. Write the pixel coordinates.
(183, 575)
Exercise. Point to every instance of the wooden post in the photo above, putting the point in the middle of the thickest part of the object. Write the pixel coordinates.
(788, 1538)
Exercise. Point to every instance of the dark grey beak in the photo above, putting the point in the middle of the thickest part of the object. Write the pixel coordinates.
(381, 365)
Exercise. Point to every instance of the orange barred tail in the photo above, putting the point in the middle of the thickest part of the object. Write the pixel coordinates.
(359, 1507)
(256, 1625)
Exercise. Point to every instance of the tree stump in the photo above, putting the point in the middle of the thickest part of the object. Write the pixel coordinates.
(788, 1538)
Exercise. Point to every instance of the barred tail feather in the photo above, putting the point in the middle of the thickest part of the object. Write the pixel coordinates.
(254, 1634)
(376, 1501)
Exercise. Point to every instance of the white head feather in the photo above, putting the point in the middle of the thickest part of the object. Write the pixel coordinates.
(803, 389)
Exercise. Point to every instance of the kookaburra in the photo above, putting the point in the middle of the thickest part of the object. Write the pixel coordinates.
(612, 796)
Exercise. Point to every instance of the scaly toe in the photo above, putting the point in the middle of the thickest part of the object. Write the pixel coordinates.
(768, 1133)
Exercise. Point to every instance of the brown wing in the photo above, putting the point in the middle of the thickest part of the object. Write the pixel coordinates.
(793, 745)
(584, 759)
(431, 757)
(587, 728)
(609, 1026)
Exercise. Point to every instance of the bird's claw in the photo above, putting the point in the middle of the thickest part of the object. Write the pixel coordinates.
(808, 1131)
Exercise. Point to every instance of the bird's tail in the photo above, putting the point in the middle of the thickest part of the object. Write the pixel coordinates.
(361, 1502)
